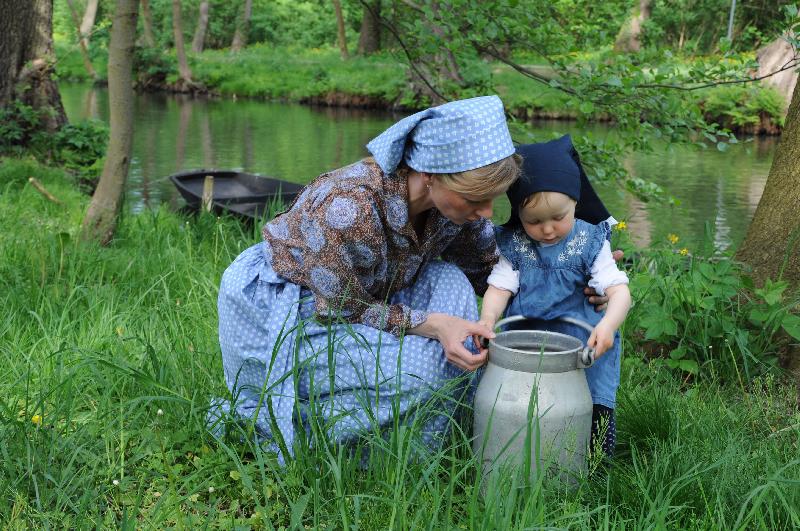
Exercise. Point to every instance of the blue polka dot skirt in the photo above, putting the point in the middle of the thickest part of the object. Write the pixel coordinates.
(288, 372)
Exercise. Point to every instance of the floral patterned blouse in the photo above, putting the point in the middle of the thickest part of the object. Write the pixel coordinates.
(347, 238)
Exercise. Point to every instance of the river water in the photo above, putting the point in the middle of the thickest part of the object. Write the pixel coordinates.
(717, 192)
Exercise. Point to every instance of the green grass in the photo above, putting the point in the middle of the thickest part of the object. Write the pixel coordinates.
(95, 341)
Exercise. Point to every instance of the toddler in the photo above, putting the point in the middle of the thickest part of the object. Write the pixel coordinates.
(547, 257)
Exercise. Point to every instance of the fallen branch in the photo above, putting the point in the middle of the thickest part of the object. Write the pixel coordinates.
(42, 190)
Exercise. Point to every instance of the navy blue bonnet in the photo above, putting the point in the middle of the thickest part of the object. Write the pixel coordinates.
(555, 167)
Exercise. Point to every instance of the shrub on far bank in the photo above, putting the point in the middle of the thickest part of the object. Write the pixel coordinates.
(78, 147)
(751, 108)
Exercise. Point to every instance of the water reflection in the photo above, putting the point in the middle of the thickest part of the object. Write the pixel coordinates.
(295, 142)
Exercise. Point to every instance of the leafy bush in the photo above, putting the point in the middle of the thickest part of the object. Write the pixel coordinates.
(78, 147)
(702, 312)
(153, 66)
(740, 106)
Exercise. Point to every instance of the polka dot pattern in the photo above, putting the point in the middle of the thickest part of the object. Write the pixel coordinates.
(356, 388)
(457, 136)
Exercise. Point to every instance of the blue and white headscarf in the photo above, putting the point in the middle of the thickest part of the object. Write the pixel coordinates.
(457, 136)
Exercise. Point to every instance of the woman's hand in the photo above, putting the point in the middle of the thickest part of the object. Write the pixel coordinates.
(452, 332)
(600, 302)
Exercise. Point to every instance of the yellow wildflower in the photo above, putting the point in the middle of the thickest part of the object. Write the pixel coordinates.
(120, 331)
(37, 419)
(673, 238)
(684, 251)
(621, 226)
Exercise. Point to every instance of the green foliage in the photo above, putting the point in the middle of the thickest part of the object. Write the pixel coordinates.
(699, 313)
(153, 67)
(301, 23)
(591, 24)
(79, 147)
(697, 26)
(743, 105)
(70, 63)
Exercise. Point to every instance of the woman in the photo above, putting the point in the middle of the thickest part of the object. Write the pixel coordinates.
(343, 315)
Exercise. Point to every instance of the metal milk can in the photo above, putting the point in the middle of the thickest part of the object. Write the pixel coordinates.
(533, 404)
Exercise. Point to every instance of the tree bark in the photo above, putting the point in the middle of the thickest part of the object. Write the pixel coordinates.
(87, 23)
(198, 42)
(147, 24)
(82, 40)
(341, 36)
(369, 39)
(101, 217)
(242, 28)
(772, 244)
(184, 73)
(629, 37)
(773, 57)
(27, 58)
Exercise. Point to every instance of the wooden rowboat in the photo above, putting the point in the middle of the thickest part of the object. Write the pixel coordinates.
(239, 193)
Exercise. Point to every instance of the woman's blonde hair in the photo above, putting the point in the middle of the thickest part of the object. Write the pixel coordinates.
(484, 182)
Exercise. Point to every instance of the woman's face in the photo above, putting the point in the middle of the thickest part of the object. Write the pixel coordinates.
(459, 208)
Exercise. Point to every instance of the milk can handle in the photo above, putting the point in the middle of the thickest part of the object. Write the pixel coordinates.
(587, 353)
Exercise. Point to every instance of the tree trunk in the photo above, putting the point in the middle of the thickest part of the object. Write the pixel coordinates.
(772, 58)
(88, 21)
(341, 36)
(184, 73)
(147, 24)
(772, 244)
(198, 42)
(87, 62)
(26, 60)
(101, 217)
(242, 28)
(369, 40)
(630, 35)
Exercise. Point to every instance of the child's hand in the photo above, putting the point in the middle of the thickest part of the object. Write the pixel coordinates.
(480, 342)
(602, 339)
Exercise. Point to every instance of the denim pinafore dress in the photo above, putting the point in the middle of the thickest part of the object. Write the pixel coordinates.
(551, 282)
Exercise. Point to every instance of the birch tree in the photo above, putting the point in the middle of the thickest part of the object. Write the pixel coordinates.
(184, 72)
(100, 221)
(198, 42)
(242, 27)
(341, 36)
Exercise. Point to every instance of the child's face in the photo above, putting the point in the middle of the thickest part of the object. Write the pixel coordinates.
(549, 219)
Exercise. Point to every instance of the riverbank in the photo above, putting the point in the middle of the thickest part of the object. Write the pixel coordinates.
(320, 77)
(110, 359)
